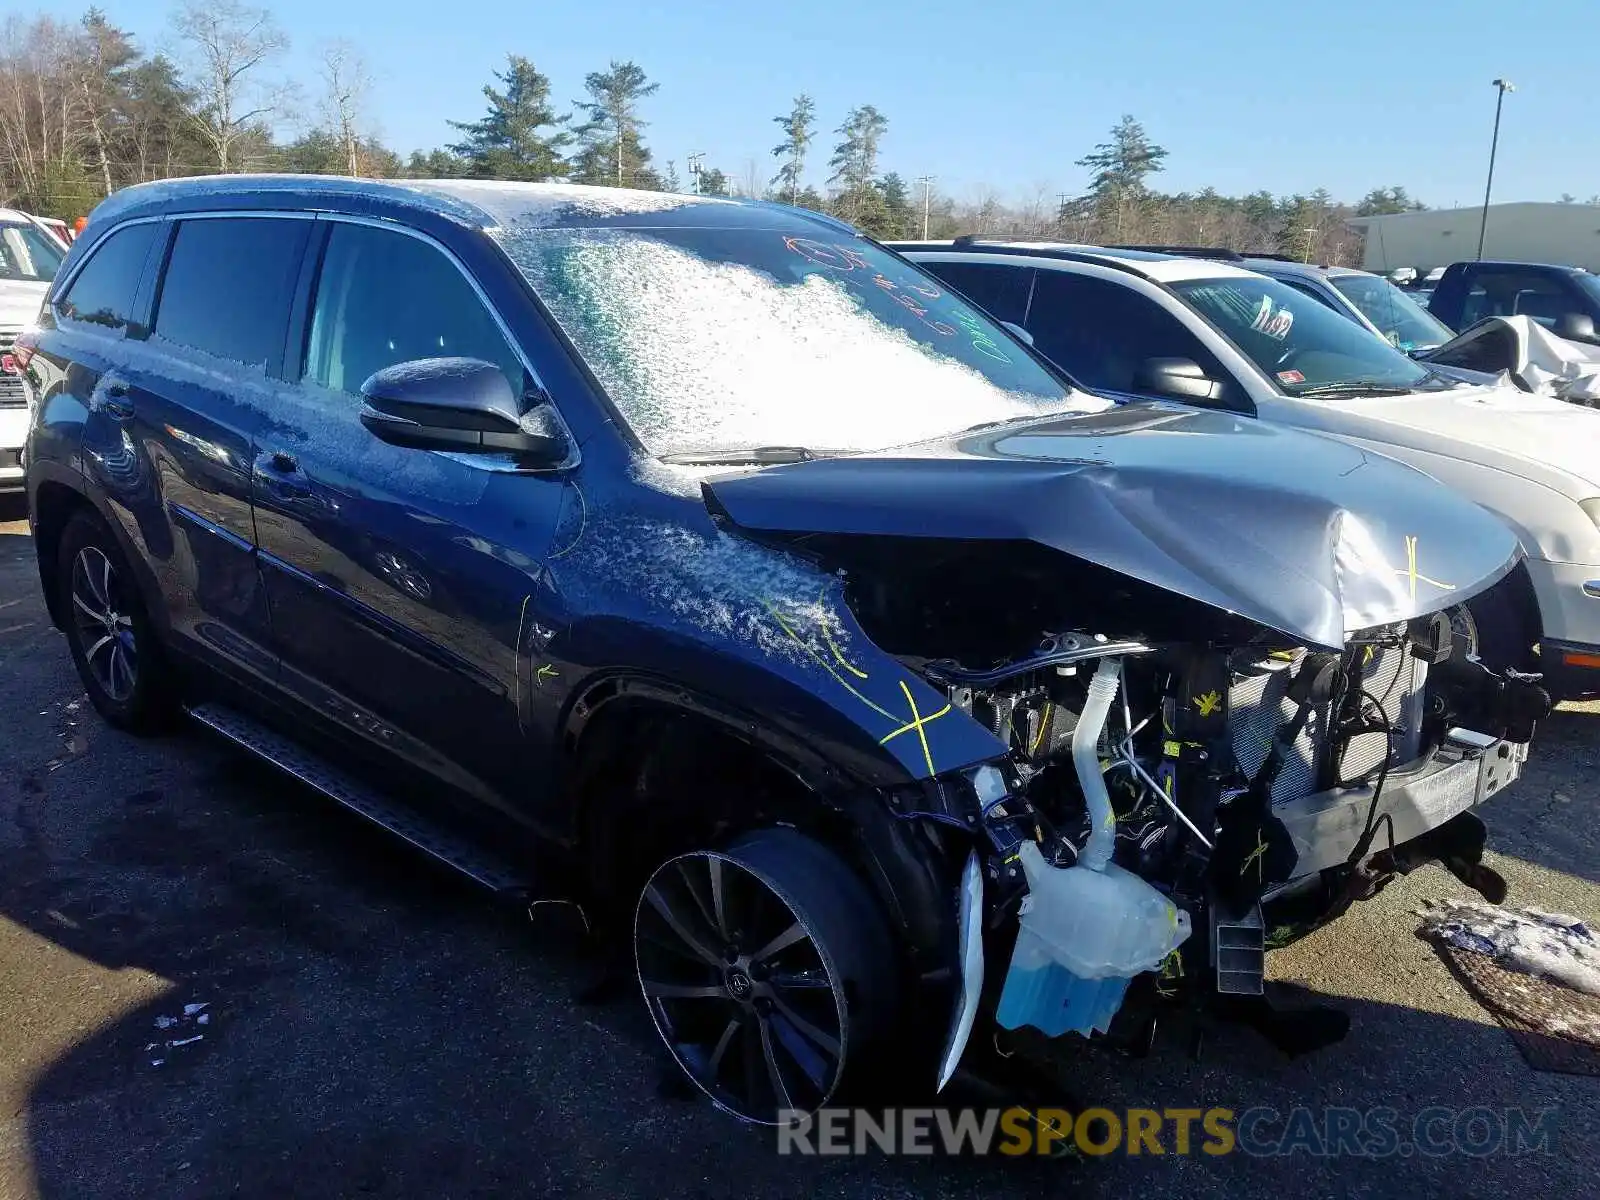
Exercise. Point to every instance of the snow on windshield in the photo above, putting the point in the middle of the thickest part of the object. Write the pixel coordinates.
(702, 354)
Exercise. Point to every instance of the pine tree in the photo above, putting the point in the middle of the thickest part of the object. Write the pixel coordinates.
(154, 135)
(855, 164)
(896, 204)
(1120, 168)
(713, 182)
(1382, 201)
(798, 127)
(510, 141)
(612, 152)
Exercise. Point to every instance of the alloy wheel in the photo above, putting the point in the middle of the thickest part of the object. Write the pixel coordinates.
(741, 989)
(103, 625)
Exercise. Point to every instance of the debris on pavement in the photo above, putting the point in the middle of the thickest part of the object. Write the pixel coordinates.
(1536, 973)
(181, 1031)
(1549, 945)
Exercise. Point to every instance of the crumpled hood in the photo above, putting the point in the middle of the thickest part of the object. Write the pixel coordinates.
(1302, 534)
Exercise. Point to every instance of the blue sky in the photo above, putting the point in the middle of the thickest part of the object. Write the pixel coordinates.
(1347, 95)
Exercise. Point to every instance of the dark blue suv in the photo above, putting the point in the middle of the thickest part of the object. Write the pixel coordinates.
(711, 566)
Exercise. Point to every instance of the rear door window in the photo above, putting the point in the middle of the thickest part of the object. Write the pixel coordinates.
(102, 293)
(1000, 291)
(385, 298)
(228, 287)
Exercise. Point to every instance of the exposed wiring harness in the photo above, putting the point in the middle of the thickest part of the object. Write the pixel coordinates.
(1369, 828)
(1124, 754)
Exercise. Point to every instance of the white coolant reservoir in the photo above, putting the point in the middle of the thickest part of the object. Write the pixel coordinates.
(1084, 934)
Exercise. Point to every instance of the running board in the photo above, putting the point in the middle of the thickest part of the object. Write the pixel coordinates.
(296, 761)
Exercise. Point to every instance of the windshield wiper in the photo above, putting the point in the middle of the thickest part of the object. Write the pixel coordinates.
(760, 455)
(1355, 387)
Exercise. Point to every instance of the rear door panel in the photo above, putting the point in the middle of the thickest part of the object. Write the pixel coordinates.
(196, 393)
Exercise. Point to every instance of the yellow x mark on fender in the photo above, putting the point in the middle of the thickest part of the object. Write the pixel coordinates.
(917, 723)
(1413, 575)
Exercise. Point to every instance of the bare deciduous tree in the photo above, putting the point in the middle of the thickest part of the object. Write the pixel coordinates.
(346, 84)
(228, 42)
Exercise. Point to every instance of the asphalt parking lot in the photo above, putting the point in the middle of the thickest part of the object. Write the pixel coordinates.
(372, 1027)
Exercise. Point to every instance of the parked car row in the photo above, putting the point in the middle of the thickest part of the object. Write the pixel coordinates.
(30, 254)
(815, 614)
(1142, 324)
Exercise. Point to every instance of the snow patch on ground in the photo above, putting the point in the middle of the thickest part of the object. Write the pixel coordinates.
(1553, 946)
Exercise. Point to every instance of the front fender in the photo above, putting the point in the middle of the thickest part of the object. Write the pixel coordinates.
(765, 630)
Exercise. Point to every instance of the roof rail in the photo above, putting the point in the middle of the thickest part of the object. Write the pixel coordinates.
(974, 239)
(1217, 252)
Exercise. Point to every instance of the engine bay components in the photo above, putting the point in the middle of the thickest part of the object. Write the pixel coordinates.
(1088, 928)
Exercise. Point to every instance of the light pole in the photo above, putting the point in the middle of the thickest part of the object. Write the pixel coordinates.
(927, 199)
(1503, 86)
(695, 163)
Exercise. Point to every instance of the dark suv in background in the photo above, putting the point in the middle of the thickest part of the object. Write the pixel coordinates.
(732, 557)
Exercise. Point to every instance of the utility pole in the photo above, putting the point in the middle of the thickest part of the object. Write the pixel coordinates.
(927, 199)
(695, 161)
(1503, 86)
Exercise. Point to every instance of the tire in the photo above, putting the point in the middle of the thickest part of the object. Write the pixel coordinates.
(768, 970)
(114, 646)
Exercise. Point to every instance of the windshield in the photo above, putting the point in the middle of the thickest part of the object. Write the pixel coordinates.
(1301, 344)
(715, 339)
(1397, 316)
(28, 254)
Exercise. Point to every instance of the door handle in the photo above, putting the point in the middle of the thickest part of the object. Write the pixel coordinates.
(280, 473)
(114, 399)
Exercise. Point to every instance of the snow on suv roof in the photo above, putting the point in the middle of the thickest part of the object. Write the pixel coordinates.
(1163, 268)
(473, 201)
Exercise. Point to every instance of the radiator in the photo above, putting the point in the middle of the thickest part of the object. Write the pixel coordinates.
(1259, 706)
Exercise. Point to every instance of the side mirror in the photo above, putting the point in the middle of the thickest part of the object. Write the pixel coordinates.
(1021, 333)
(461, 404)
(1576, 327)
(1177, 378)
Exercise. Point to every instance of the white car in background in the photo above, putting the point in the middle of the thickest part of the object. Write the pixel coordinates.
(1136, 325)
(29, 257)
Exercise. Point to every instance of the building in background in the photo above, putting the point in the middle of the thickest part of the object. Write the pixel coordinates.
(1568, 234)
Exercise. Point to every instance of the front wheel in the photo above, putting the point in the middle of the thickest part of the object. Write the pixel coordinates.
(109, 631)
(768, 970)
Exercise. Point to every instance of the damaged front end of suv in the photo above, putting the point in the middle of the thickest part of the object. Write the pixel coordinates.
(1218, 675)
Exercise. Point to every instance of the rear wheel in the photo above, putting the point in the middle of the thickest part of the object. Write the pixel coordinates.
(768, 971)
(108, 629)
